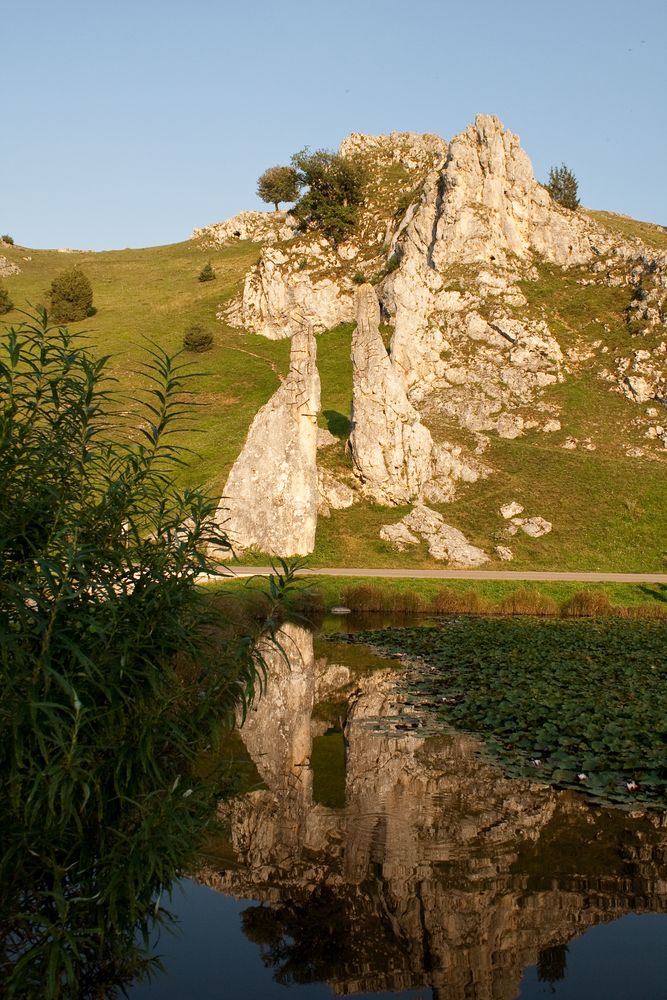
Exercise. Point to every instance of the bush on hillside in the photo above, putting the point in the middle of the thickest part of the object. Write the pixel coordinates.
(207, 272)
(334, 192)
(7, 239)
(196, 338)
(71, 296)
(563, 187)
(6, 304)
(278, 184)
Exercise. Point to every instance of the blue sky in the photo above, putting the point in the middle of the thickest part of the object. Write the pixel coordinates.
(128, 124)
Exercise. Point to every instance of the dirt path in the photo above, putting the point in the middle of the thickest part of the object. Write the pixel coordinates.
(463, 574)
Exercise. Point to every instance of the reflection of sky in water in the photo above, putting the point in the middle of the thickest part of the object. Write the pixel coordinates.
(626, 960)
(418, 863)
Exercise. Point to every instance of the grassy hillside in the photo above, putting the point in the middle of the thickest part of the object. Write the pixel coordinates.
(153, 295)
(608, 510)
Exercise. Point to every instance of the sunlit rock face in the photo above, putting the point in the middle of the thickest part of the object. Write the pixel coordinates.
(271, 495)
(393, 453)
(260, 227)
(437, 871)
(391, 449)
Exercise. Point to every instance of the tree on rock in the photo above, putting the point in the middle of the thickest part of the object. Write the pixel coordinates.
(335, 191)
(71, 296)
(563, 187)
(278, 184)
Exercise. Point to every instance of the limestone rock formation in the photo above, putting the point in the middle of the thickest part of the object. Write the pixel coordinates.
(482, 218)
(334, 494)
(280, 295)
(412, 150)
(398, 535)
(260, 227)
(8, 267)
(444, 542)
(533, 526)
(391, 449)
(271, 496)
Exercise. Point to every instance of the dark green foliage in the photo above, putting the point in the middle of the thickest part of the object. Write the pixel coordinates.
(7, 239)
(197, 339)
(359, 278)
(71, 296)
(6, 304)
(578, 698)
(91, 311)
(207, 272)
(334, 192)
(563, 187)
(278, 184)
(116, 669)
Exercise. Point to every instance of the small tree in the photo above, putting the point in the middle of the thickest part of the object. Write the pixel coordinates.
(563, 187)
(6, 304)
(207, 272)
(278, 184)
(71, 296)
(7, 239)
(335, 191)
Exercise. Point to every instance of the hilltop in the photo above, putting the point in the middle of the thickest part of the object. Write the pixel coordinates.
(530, 341)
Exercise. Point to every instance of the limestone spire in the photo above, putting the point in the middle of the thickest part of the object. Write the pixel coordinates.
(271, 495)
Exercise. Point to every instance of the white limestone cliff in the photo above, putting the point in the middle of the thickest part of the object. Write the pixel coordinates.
(271, 496)
(393, 453)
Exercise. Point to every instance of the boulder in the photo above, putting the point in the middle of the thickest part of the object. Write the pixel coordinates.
(398, 535)
(333, 493)
(533, 526)
(444, 542)
(511, 509)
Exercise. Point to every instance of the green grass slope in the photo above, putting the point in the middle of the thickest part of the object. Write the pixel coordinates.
(608, 510)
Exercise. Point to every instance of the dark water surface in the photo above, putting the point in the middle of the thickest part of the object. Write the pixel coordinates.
(374, 855)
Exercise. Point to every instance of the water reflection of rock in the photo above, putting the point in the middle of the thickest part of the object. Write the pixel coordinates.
(438, 871)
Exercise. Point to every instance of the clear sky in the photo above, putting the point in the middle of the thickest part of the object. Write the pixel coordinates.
(127, 123)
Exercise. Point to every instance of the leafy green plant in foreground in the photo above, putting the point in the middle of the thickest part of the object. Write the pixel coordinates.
(576, 704)
(117, 671)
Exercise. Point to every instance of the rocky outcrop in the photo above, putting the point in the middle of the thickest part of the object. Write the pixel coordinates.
(392, 451)
(280, 296)
(481, 220)
(643, 376)
(259, 227)
(271, 496)
(444, 542)
(334, 494)
(8, 267)
(413, 150)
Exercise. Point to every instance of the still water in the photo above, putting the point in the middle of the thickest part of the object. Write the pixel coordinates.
(376, 855)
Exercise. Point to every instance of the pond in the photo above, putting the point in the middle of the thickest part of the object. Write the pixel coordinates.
(377, 852)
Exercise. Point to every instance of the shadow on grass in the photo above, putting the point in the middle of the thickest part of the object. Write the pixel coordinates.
(338, 423)
(656, 591)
